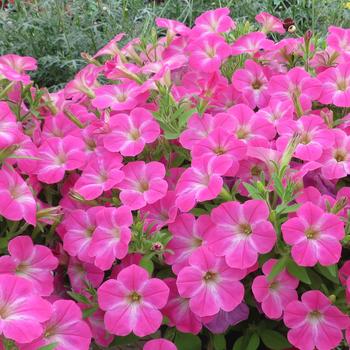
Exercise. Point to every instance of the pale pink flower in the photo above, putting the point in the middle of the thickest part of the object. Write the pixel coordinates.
(143, 183)
(129, 133)
(336, 159)
(120, 97)
(173, 27)
(59, 126)
(35, 263)
(22, 310)
(276, 294)
(178, 312)
(111, 237)
(160, 213)
(159, 344)
(213, 21)
(339, 39)
(17, 201)
(98, 330)
(201, 182)
(252, 82)
(101, 174)
(188, 234)
(270, 23)
(315, 136)
(276, 111)
(210, 284)
(111, 48)
(132, 302)
(336, 85)
(14, 67)
(222, 145)
(314, 322)
(79, 227)
(58, 156)
(80, 273)
(242, 231)
(314, 236)
(83, 83)
(9, 132)
(296, 85)
(208, 52)
(251, 43)
(65, 327)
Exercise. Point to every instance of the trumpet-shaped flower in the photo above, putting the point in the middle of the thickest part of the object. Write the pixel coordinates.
(270, 23)
(210, 284)
(132, 302)
(241, 232)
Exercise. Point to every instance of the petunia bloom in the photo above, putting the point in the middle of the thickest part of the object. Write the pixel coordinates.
(132, 302)
(159, 344)
(34, 263)
(210, 284)
(276, 294)
(242, 231)
(270, 23)
(314, 322)
(314, 236)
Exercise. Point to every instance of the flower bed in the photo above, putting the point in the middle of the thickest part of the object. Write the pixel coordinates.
(183, 193)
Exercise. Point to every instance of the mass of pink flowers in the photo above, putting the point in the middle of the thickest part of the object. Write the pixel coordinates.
(188, 191)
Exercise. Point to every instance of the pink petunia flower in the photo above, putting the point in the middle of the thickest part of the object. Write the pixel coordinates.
(159, 344)
(336, 159)
(111, 237)
(132, 302)
(242, 232)
(143, 183)
(98, 330)
(252, 82)
(65, 327)
(222, 145)
(35, 263)
(208, 52)
(188, 234)
(173, 27)
(9, 132)
(129, 133)
(22, 310)
(210, 284)
(314, 136)
(17, 201)
(314, 322)
(111, 48)
(160, 213)
(213, 21)
(14, 67)
(80, 273)
(79, 227)
(58, 156)
(336, 85)
(276, 111)
(251, 43)
(201, 182)
(314, 236)
(339, 39)
(296, 86)
(101, 174)
(178, 311)
(121, 97)
(276, 294)
(270, 23)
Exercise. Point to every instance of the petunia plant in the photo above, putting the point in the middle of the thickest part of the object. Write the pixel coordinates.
(185, 191)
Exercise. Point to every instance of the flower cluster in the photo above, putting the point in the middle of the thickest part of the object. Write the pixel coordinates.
(178, 187)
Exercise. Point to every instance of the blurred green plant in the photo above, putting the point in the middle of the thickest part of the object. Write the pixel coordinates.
(56, 31)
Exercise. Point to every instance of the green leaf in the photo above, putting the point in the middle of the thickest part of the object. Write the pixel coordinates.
(51, 346)
(285, 208)
(274, 340)
(79, 297)
(89, 312)
(129, 339)
(185, 115)
(298, 271)
(254, 342)
(147, 263)
(278, 267)
(254, 193)
(238, 344)
(187, 341)
(330, 272)
(219, 342)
